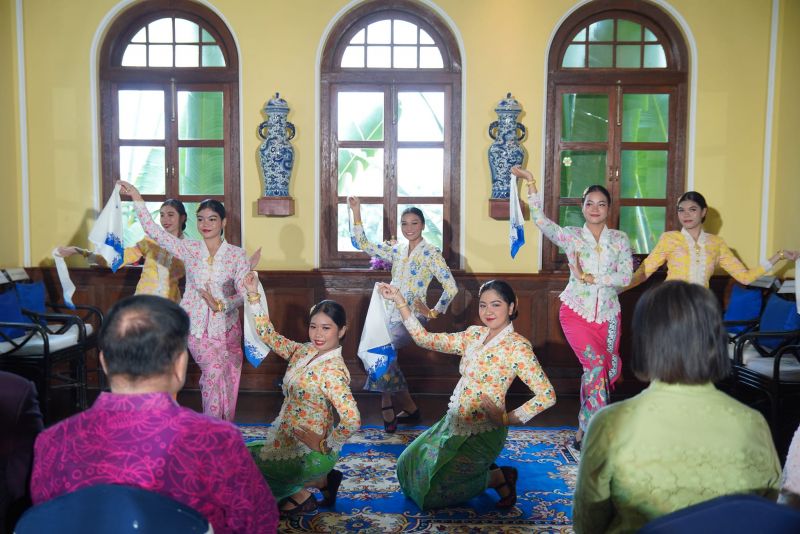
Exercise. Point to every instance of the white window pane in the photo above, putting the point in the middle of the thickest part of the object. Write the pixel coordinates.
(160, 55)
(405, 32)
(378, 57)
(360, 172)
(649, 36)
(187, 56)
(421, 116)
(140, 37)
(212, 56)
(186, 31)
(424, 38)
(358, 38)
(353, 57)
(654, 57)
(135, 56)
(360, 116)
(430, 58)
(141, 114)
(434, 217)
(405, 57)
(161, 31)
(371, 218)
(420, 172)
(143, 166)
(379, 32)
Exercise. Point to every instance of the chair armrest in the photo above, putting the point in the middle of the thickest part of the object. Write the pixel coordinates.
(745, 322)
(66, 321)
(738, 347)
(91, 312)
(776, 366)
(31, 330)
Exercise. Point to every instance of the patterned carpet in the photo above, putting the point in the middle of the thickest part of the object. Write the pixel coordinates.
(370, 500)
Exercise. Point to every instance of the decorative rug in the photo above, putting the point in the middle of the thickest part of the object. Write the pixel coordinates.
(370, 500)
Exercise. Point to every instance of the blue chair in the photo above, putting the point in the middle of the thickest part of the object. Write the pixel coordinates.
(108, 508)
(731, 514)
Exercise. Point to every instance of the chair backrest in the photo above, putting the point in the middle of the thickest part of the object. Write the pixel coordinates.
(111, 508)
(744, 304)
(780, 315)
(727, 515)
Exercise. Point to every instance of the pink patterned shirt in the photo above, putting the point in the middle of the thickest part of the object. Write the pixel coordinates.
(224, 273)
(148, 441)
(608, 259)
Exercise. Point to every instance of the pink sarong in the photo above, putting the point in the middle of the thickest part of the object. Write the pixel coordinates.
(220, 360)
(597, 347)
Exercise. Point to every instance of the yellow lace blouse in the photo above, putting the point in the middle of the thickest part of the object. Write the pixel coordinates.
(311, 387)
(695, 261)
(487, 369)
(160, 272)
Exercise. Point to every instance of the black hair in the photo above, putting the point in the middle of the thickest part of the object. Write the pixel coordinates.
(592, 189)
(693, 196)
(504, 290)
(214, 205)
(413, 210)
(179, 207)
(678, 336)
(142, 335)
(332, 309)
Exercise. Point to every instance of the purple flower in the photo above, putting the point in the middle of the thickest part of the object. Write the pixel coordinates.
(379, 264)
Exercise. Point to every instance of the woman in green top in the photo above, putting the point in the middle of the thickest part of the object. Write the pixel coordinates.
(681, 441)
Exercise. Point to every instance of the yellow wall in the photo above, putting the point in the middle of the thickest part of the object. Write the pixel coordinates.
(278, 47)
(785, 193)
(11, 213)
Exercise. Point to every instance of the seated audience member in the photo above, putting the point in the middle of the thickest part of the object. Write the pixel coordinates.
(790, 489)
(681, 441)
(20, 422)
(137, 435)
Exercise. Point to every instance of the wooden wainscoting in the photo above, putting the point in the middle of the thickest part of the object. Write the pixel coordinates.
(292, 293)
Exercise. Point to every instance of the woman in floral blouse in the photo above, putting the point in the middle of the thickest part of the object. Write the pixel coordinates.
(692, 255)
(160, 272)
(452, 461)
(214, 273)
(302, 445)
(414, 265)
(600, 267)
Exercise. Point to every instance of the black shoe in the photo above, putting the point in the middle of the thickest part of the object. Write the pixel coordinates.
(331, 489)
(409, 419)
(510, 481)
(576, 445)
(390, 427)
(308, 505)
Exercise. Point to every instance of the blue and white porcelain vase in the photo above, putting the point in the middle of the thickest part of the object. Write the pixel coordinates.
(276, 152)
(506, 151)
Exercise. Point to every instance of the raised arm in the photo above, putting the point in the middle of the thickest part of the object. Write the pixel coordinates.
(382, 250)
(280, 345)
(336, 388)
(550, 229)
(167, 241)
(530, 372)
(440, 341)
(743, 275)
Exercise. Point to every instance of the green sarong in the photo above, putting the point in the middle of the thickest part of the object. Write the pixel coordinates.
(287, 477)
(440, 469)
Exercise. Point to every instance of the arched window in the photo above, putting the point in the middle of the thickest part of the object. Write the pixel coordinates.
(391, 106)
(616, 115)
(169, 109)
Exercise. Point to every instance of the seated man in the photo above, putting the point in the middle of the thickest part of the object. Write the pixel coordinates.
(137, 435)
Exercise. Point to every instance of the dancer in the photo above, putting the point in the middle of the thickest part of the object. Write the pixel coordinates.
(692, 254)
(600, 266)
(413, 266)
(161, 271)
(214, 273)
(302, 445)
(453, 461)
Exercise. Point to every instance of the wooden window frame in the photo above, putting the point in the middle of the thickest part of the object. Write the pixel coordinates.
(334, 78)
(672, 80)
(115, 77)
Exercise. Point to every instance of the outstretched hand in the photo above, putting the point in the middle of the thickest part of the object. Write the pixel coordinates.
(128, 188)
(390, 292)
(526, 175)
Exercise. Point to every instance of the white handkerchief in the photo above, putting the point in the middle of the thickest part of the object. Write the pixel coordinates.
(107, 232)
(67, 287)
(255, 350)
